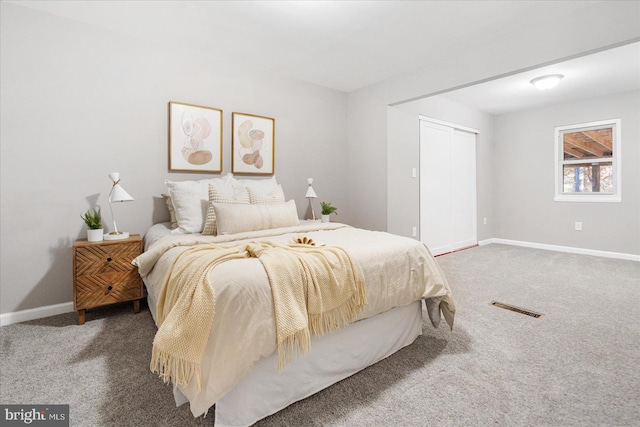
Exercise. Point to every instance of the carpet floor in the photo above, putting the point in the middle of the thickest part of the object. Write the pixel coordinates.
(577, 365)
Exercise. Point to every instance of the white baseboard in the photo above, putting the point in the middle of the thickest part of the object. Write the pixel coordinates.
(485, 242)
(569, 249)
(35, 313)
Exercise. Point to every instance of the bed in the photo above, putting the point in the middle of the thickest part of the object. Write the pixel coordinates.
(240, 379)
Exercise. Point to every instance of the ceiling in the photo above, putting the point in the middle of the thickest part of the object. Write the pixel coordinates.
(346, 45)
(610, 71)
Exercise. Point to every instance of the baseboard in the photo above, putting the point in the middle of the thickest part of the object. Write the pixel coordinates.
(35, 313)
(485, 242)
(569, 249)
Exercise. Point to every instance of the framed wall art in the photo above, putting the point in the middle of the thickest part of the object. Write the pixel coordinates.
(195, 138)
(253, 144)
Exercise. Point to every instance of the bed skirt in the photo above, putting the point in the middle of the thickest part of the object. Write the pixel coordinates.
(331, 358)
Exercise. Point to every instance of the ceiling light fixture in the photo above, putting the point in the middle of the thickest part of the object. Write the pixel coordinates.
(547, 82)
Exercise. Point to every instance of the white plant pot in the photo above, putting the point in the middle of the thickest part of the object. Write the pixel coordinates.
(95, 235)
(326, 218)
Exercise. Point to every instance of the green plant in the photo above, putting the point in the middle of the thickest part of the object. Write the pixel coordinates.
(327, 209)
(93, 220)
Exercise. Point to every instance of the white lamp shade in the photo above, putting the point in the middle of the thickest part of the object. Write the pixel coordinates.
(118, 194)
(311, 194)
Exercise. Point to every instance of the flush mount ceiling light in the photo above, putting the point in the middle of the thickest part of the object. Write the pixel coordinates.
(546, 82)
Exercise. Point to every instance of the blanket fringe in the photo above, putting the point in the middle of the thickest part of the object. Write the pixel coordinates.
(171, 368)
(292, 346)
(329, 321)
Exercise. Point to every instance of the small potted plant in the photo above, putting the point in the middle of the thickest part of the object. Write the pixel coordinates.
(327, 210)
(94, 225)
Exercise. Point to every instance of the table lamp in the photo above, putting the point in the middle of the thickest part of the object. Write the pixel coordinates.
(311, 194)
(117, 194)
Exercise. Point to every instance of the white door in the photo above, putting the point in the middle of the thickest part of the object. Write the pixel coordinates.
(435, 187)
(447, 187)
(463, 189)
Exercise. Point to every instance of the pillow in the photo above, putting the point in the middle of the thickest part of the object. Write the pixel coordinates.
(172, 211)
(262, 185)
(190, 200)
(238, 218)
(216, 195)
(274, 196)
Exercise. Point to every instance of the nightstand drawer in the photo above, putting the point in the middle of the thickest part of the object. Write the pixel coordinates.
(98, 259)
(107, 288)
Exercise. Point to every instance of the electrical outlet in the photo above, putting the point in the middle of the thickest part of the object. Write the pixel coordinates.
(414, 232)
(578, 226)
(414, 173)
(485, 220)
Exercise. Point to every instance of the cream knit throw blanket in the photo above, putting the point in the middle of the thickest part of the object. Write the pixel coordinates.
(315, 290)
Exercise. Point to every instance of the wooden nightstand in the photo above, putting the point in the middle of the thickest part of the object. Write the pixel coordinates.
(103, 274)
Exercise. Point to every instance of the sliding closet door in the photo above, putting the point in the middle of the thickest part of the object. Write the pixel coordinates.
(447, 187)
(463, 189)
(436, 227)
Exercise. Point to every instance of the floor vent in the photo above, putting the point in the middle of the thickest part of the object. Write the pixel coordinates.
(516, 309)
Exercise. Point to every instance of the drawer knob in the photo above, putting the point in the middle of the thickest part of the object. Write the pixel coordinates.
(109, 259)
(109, 288)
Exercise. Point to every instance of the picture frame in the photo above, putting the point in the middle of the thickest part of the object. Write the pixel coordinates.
(195, 138)
(252, 144)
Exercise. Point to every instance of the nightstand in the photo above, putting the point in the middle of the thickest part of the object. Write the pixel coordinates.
(103, 274)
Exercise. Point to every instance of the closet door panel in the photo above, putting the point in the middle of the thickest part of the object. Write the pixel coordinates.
(436, 230)
(463, 189)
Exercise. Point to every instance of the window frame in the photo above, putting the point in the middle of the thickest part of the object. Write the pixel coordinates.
(616, 195)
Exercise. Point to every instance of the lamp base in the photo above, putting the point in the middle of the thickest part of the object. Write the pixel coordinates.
(120, 235)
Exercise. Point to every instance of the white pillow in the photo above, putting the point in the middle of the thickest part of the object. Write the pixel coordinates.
(239, 218)
(274, 196)
(262, 185)
(190, 200)
(217, 196)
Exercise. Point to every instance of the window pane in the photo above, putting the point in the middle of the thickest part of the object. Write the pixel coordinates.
(586, 144)
(588, 178)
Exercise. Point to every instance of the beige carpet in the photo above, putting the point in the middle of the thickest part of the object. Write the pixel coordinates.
(575, 366)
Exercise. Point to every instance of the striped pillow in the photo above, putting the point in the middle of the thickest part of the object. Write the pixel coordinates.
(257, 197)
(241, 195)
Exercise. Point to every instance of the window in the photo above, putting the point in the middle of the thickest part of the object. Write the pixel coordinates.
(588, 162)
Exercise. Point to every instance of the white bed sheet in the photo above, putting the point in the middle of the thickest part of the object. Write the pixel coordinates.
(155, 232)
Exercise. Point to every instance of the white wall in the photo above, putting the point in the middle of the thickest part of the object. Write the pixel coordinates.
(597, 26)
(524, 178)
(79, 102)
(403, 154)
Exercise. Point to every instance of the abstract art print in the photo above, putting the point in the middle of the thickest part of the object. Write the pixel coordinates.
(253, 144)
(195, 138)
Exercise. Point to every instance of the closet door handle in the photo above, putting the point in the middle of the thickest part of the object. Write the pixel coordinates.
(109, 288)
(109, 259)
